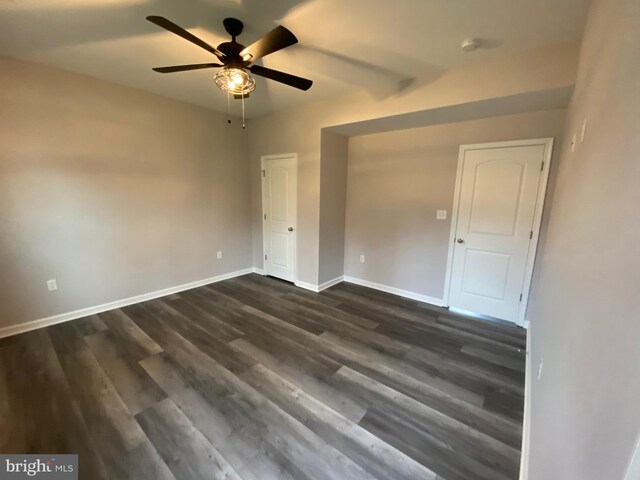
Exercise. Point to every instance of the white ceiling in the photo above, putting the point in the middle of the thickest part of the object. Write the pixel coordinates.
(344, 44)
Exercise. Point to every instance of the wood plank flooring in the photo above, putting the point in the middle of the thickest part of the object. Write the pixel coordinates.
(253, 378)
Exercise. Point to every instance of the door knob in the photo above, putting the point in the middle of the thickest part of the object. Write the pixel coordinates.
(460, 240)
(290, 229)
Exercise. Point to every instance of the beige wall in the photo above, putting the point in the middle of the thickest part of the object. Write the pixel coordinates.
(299, 130)
(113, 191)
(333, 192)
(397, 180)
(585, 321)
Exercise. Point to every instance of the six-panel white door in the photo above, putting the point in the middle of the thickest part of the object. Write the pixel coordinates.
(279, 216)
(493, 234)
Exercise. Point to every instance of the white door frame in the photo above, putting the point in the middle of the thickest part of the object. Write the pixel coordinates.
(263, 163)
(537, 218)
(633, 470)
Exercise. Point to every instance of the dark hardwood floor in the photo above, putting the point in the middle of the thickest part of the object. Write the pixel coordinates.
(253, 378)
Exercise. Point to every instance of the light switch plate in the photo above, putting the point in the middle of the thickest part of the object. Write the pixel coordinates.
(441, 214)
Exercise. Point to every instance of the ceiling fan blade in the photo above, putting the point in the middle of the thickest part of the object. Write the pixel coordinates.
(173, 28)
(184, 68)
(275, 40)
(286, 78)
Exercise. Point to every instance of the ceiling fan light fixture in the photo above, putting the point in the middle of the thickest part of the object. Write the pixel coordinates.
(235, 81)
(234, 59)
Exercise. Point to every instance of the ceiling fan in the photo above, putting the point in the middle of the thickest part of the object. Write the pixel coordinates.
(235, 59)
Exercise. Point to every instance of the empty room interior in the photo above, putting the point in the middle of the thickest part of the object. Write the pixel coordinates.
(319, 239)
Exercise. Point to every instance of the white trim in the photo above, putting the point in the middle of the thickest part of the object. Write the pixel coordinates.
(537, 222)
(65, 317)
(330, 283)
(307, 286)
(439, 302)
(259, 271)
(633, 470)
(318, 288)
(452, 229)
(526, 324)
(278, 156)
(537, 216)
(526, 424)
(263, 160)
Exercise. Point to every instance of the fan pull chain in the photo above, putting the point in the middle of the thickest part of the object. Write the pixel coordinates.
(243, 125)
(228, 109)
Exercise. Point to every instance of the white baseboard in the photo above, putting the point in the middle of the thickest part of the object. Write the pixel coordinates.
(318, 288)
(526, 425)
(65, 317)
(307, 286)
(439, 302)
(259, 271)
(330, 283)
(526, 324)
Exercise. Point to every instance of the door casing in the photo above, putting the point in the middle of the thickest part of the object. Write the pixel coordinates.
(537, 219)
(264, 159)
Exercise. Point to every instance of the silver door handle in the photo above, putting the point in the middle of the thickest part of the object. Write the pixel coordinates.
(290, 229)
(460, 240)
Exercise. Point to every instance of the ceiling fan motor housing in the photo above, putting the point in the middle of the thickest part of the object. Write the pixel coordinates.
(232, 49)
(232, 54)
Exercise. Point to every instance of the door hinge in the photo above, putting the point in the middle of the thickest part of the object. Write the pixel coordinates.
(520, 297)
(264, 173)
(531, 235)
(265, 216)
(265, 257)
(542, 167)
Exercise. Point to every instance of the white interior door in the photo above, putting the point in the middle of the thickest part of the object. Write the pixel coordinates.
(279, 215)
(496, 227)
